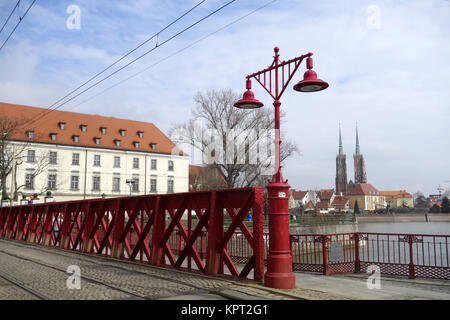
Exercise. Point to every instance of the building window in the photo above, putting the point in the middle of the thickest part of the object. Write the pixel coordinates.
(117, 143)
(31, 155)
(75, 159)
(76, 138)
(170, 165)
(74, 180)
(153, 184)
(140, 134)
(136, 144)
(153, 146)
(116, 162)
(29, 181)
(83, 127)
(53, 136)
(103, 130)
(96, 160)
(30, 134)
(96, 183)
(135, 184)
(170, 185)
(52, 157)
(97, 140)
(122, 132)
(116, 184)
(62, 125)
(51, 184)
(153, 164)
(135, 163)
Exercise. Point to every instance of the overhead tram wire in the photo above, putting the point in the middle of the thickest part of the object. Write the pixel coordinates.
(6, 22)
(175, 53)
(134, 60)
(117, 61)
(20, 20)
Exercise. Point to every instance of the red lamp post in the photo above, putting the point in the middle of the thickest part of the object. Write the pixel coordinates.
(279, 261)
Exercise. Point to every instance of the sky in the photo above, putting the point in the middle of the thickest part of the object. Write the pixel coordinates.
(387, 64)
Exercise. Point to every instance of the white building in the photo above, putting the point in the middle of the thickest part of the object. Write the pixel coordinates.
(81, 156)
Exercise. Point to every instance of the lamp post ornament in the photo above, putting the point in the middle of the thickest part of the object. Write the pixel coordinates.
(279, 260)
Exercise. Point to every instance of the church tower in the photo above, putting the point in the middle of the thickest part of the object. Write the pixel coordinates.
(360, 167)
(341, 168)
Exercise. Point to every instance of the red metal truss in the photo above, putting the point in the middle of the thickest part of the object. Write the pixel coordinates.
(164, 230)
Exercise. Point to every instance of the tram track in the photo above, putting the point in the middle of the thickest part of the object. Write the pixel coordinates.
(129, 266)
(95, 260)
(24, 288)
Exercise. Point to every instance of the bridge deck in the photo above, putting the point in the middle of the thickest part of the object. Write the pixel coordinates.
(29, 272)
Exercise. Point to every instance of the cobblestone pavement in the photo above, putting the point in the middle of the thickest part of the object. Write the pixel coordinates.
(43, 271)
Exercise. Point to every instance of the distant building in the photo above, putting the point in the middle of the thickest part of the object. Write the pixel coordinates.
(299, 199)
(367, 196)
(398, 199)
(341, 168)
(324, 207)
(341, 204)
(326, 195)
(90, 156)
(359, 164)
(205, 178)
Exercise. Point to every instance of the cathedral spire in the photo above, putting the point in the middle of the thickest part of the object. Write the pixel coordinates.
(357, 151)
(341, 149)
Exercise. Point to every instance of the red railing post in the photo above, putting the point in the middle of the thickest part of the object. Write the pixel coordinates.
(89, 219)
(119, 225)
(47, 228)
(326, 270)
(159, 226)
(21, 223)
(215, 236)
(357, 258)
(411, 258)
(11, 220)
(65, 227)
(258, 232)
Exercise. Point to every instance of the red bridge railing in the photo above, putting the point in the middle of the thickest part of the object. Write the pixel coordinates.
(412, 255)
(184, 230)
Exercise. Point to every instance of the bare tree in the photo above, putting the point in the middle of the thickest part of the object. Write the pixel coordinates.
(235, 141)
(13, 154)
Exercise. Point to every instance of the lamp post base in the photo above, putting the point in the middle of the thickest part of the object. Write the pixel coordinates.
(279, 261)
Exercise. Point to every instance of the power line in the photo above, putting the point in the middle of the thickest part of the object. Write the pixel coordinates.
(20, 20)
(175, 53)
(156, 35)
(139, 57)
(6, 22)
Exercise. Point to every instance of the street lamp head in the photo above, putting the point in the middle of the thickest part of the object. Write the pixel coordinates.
(248, 101)
(310, 82)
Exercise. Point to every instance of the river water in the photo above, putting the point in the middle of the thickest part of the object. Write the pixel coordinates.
(438, 228)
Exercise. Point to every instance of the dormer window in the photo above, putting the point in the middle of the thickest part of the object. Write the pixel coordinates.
(117, 143)
(76, 138)
(136, 144)
(62, 125)
(103, 130)
(140, 134)
(153, 146)
(53, 136)
(30, 134)
(97, 140)
(122, 132)
(83, 127)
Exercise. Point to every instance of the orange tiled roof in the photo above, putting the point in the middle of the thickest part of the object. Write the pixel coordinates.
(50, 124)
(396, 194)
(298, 195)
(309, 205)
(325, 194)
(323, 205)
(339, 201)
(364, 189)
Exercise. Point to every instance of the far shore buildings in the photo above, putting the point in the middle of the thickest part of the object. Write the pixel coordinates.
(83, 156)
(398, 199)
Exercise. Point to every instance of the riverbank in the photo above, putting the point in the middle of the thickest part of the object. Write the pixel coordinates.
(417, 217)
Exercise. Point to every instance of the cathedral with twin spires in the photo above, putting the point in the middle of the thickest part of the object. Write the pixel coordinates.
(342, 186)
